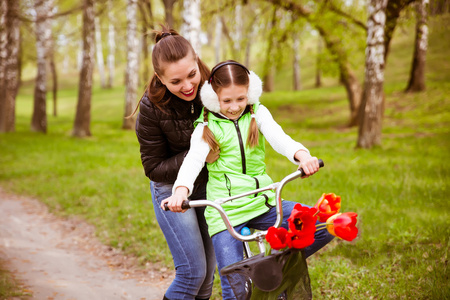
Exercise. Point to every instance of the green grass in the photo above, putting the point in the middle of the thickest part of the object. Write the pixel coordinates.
(398, 189)
(10, 288)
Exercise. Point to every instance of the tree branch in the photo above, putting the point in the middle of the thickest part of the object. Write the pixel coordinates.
(342, 13)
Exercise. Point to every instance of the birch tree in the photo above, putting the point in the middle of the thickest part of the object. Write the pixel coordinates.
(82, 124)
(9, 65)
(43, 31)
(417, 76)
(146, 14)
(111, 46)
(191, 27)
(132, 71)
(99, 53)
(372, 106)
(3, 57)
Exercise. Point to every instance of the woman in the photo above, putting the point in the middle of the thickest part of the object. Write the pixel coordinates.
(164, 125)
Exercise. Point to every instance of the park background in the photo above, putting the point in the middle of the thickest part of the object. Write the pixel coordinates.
(309, 55)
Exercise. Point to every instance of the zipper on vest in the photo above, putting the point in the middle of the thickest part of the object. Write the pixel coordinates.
(241, 145)
(228, 184)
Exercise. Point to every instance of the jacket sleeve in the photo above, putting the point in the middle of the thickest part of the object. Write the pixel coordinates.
(153, 146)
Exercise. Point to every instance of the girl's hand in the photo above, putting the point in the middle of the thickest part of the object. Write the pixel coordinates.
(212, 156)
(308, 163)
(174, 202)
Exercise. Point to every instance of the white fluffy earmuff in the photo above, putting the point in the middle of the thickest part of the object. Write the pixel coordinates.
(211, 100)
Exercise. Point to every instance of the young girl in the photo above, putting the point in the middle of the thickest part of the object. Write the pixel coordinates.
(232, 121)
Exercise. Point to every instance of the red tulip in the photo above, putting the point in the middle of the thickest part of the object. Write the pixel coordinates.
(343, 225)
(302, 220)
(300, 242)
(328, 205)
(277, 237)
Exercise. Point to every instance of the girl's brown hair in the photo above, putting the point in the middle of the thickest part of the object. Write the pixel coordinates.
(169, 47)
(224, 75)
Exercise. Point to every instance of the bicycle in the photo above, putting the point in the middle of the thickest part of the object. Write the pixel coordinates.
(262, 273)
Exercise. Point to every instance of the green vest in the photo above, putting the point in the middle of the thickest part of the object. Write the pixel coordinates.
(238, 169)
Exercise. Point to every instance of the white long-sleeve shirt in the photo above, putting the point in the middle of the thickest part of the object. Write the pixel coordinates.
(272, 131)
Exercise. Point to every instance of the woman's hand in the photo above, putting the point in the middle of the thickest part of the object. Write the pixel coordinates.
(174, 202)
(308, 163)
(212, 156)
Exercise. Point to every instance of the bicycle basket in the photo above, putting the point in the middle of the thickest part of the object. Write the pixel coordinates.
(266, 277)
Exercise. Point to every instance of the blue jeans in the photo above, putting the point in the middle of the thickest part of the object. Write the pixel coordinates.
(189, 242)
(229, 250)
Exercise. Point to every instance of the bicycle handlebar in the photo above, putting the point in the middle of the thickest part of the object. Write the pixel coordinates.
(186, 204)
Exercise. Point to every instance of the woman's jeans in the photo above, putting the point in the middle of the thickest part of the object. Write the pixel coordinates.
(189, 242)
(229, 250)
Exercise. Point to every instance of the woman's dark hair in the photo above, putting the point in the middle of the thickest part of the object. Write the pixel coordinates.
(169, 47)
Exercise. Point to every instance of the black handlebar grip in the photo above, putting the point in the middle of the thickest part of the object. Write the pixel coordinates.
(321, 163)
(184, 205)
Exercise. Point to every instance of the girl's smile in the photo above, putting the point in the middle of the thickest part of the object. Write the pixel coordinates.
(233, 100)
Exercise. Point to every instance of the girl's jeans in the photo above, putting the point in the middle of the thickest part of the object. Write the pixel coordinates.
(189, 242)
(229, 250)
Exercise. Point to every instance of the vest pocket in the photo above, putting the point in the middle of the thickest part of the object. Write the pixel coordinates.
(228, 184)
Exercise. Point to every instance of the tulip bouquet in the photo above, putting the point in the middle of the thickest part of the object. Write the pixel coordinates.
(302, 228)
(302, 224)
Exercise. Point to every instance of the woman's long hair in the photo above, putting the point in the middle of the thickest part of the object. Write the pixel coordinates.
(169, 47)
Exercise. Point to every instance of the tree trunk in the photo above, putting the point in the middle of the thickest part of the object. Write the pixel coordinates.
(168, 8)
(191, 24)
(318, 82)
(347, 76)
(296, 63)
(99, 51)
(417, 77)
(82, 122)
(439, 7)
(372, 106)
(268, 71)
(146, 14)
(354, 93)
(238, 31)
(43, 34)
(132, 70)
(218, 40)
(10, 55)
(54, 76)
(3, 57)
(393, 10)
(111, 46)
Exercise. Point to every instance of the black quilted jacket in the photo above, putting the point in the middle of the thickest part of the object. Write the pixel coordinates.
(164, 137)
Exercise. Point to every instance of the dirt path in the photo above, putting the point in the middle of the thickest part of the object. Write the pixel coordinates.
(61, 259)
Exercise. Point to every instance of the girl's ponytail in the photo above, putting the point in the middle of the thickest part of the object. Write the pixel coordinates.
(253, 133)
(208, 136)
